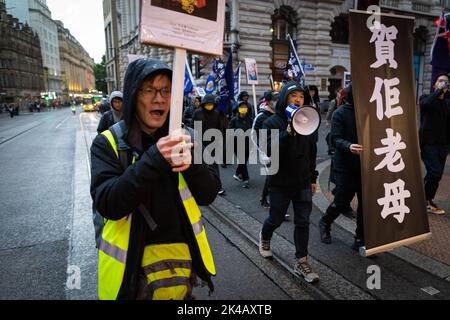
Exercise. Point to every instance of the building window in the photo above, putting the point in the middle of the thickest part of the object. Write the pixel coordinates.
(339, 29)
(284, 23)
(227, 18)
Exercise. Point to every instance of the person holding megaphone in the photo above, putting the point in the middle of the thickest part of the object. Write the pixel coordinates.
(295, 180)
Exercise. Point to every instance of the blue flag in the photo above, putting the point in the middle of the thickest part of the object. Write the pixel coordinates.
(294, 70)
(210, 85)
(440, 51)
(189, 83)
(226, 86)
(237, 82)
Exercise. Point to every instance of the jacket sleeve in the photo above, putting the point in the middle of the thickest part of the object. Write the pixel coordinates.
(115, 192)
(203, 180)
(283, 136)
(338, 132)
(101, 124)
(204, 183)
(428, 101)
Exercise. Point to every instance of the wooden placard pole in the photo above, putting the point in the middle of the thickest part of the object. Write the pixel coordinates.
(176, 101)
(254, 100)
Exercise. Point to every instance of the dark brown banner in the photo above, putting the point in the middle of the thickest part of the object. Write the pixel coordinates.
(394, 204)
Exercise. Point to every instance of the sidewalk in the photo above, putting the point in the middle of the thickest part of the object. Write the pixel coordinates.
(437, 248)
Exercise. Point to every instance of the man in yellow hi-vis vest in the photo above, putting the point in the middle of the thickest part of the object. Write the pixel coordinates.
(153, 243)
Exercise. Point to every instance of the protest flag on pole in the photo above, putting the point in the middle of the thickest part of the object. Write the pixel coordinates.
(440, 50)
(294, 64)
(226, 87)
(189, 83)
(237, 82)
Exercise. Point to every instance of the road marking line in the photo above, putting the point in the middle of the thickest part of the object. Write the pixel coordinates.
(430, 290)
(61, 123)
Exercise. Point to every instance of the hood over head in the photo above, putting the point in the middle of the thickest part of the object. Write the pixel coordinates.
(208, 99)
(242, 95)
(136, 73)
(288, 88)
(349, 95)
(115, 94)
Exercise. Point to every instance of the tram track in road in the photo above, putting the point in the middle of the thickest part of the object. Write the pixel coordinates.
(289, 282)
(19, 134)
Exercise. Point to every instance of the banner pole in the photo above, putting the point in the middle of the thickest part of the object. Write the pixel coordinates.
(176, 101)
(254, 100)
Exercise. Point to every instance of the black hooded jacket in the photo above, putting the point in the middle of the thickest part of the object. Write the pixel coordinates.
(343, 134)
(297, 153)
(210, 119)
(149, 181)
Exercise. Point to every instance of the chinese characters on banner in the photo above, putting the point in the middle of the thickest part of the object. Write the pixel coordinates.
(383, 88)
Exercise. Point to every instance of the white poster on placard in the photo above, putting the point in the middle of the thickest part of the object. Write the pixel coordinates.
(251, 70)
(347, 78)
(197, 26)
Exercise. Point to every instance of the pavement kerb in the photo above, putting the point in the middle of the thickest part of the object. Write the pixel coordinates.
(411, 256)
(331, 284)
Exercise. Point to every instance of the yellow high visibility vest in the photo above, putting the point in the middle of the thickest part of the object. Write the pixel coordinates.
(167, 266)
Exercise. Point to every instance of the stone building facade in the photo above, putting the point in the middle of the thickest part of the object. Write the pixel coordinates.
(21, 67)
(77, 74)
(259, 28)
(38, 16)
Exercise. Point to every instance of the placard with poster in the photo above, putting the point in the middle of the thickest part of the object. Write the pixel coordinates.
(251, 71)
(197, 25)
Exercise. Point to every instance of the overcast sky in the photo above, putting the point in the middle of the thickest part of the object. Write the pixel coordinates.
(84, 19)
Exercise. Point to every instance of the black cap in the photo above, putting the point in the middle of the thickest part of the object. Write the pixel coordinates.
(208, 99)
(268, 96)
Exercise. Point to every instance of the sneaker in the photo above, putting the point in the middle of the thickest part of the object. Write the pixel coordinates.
(264, 203)
(264, 247)
(222, 192)
(238, 178)
(303, 269)
(433, 208)
(246, 184)
(324, 231)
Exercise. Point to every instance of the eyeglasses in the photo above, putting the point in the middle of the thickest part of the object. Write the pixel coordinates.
(151, 92)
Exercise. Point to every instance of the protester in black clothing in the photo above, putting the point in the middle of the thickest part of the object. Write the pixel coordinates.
(114, 115)
(433, 135)
(314, 93)
(189, 111)
(347, 170)
(266, 110)
(243, 122)
(244, 96)
(153, 242)
(294, 182)
(209, 118)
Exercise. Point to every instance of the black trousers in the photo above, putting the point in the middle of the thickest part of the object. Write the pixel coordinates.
(302, 204)
(434, 157)
(346, 187)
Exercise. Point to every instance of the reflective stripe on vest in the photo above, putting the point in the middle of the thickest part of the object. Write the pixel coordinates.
(116, 234)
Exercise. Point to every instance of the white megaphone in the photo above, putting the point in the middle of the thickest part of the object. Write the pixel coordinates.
(304, 120)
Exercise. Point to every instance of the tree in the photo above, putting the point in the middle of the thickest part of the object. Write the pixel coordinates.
(100, 75)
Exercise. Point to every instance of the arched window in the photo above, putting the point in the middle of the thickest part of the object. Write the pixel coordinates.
(284, 23)
(339, 29)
